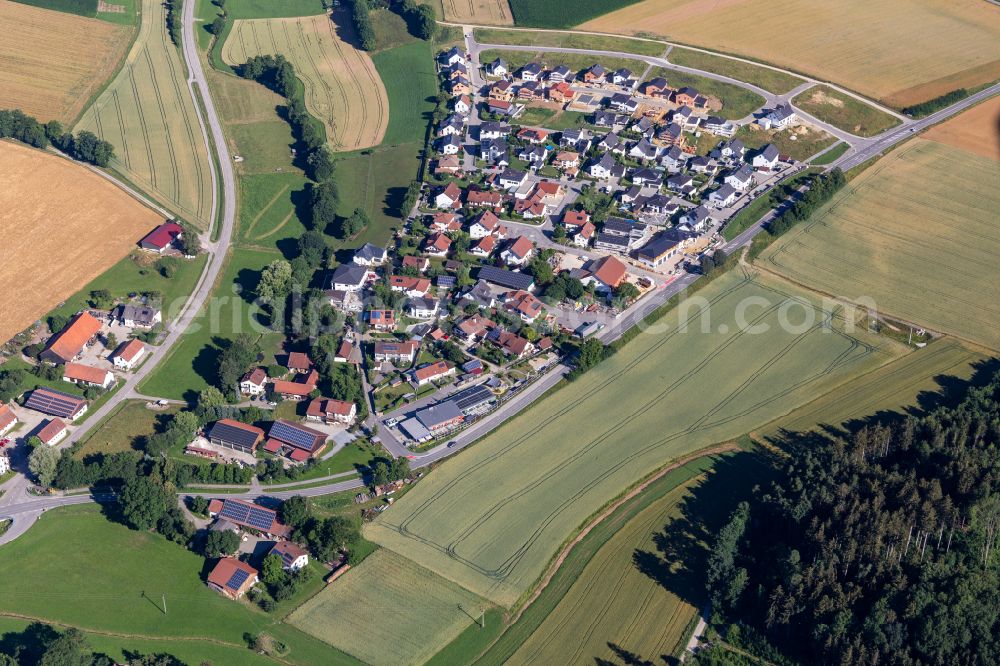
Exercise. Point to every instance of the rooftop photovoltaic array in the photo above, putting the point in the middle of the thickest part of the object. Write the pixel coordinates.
(237, 579)
(53, 402)
(248, 514)
(472, 397)
(298, 436)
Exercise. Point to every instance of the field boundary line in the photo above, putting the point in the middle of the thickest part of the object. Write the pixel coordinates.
(589, 526)
(277, 228)
(266, 208)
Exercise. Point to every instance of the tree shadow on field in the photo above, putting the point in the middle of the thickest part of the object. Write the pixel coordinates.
(682, 547)
(206, 365)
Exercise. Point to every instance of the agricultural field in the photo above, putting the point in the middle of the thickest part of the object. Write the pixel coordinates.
(65, 579)
(896, 387)
(916, 233)
(800, 142)
(388, 610)
(268, 206)
(123, 429)
(770, 80)
(531, 483)
(88, 222)
(844, 112)
(148, 114)
(570, 40)
(53, 63)
(256, 9)
(976, 130)
(479, 12)
(561, 13)
(342, 87)
(895, 51)
(736, 102)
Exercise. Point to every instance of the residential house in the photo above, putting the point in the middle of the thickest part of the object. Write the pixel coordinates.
(432, 372)
(486, 224)
(232, 577)
(382, 320)
(67, 343)
(452, 56)
(671, 134)
(605, 273)
(511, 179)
(87, 375)
(733, 149)
(583, 234)
(523, 304)
(348, 277)
(656, 87)
(138, 316)
(8, 419)
(299, 363)
(52, 432)
(414, 261)
(594, 74)
(484, 247)
(129, 354)
(161, 238)
(396, 352)
(448, 165)
(530, 91)
(602, 168)
(518, 252)
(766, 158)
(510, 343)
(531, 72)
(567, 160)
(248, 516)
(680, 182)
(505, 278)
(497, 68)
(560, 74)
(702, 164)
(345, 353)
(451, 126)
(370, 255)
(422, 308)
(449, 145)
(723, 197)
(643, 150)
(536, 137)
(647, 177)
(561, 92)
(411, 286)
(740, 179)
(779, 117)
(449, 197)
(254, 382)
(494, 150)
(719, 126)
(664, 248)
(695, 219)
(673, 159)
(299, 441)
(462, 104)
(501, 91)
(445, 222)
(621, 76)
(500, 107)
(293, 557)
(437, 245)
(329, 411)
(459, 86)
(534, 155)
(474, 327)
(56, 403)
(235, 435)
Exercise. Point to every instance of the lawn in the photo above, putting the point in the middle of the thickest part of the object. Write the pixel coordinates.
(570, 40)
(390, 29)
(31, 381)
(800, 142)
(65, 577)
(736, 102)
(532, 484)
(843, 111)
(763, 77)
(895, 387)
(255, 9)
(832, 155)
(915, 234)
(148, 114)
(348, 459)
(411, 82)
(535, 116)
(388, 610)
(897, 51)
(123, 430)
(192, 364)
(270, 207)
(561, 13)
(138, 274)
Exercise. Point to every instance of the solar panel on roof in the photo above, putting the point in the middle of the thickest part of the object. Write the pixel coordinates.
(260, 518)
(237, 579)
(294, 436)
(53, 402)
(235, 512)
(472, 397)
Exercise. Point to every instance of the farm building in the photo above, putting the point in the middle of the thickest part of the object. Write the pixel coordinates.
(439, 417)
(8, 419)
(87, 375)
(235, 435)
(232, 577)
(65, 345)
(248, 515)
(128, 354)
(56, 403)
(505, 278)
(53, 432)
(474, 399)
(161, 238)
(301, 442)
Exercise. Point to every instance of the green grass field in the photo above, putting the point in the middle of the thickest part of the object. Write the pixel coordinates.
(800, 142)
(121, 431)
(539, 476)
(192, 364)
(771, 80)
(80, 569)
(388, 610)
(137, 273)
(561, 13)
(916, 233)
(843, 111)
(148, 114)
(895, 387)
(736, 102)
(411, 82)
(253, 9)
(78, 7)
(569, 40)
(390, 29)
(831, 156)
(268, 209)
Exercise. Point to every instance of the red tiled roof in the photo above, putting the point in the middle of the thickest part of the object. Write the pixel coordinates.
(298, 361)
(286, 387)
(256, 376)
(129, 350)
(432, 370)
(225, 569)
(483, 197)
(215, 506)
(51, 430)
(162, 236)
(345, 349)
(521, 247)
(415, 261)
(609, 270)
(410, 283)
(84, 373)
(475, 325)
(575, 218)
(299, 455)
(7, 416)
(67, 343)
(271, 446)
(323, 406)
(487, 244)
(452, 191)
(439, 242)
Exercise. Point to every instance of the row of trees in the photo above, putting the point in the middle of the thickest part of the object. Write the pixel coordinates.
(821, 189)
(174, 20)
(41, 644)
(84, 146)
(363, 27)
(876, 547)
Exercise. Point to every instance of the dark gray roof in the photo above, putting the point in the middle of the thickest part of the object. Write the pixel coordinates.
(769, 152)
(370, 252)
(472, 397)
(660, 244)
(505, 278)
(233, 435)
(435, 415)
(347, 274)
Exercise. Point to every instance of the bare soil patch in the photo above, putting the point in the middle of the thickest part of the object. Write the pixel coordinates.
(976, 130)
(62, 225)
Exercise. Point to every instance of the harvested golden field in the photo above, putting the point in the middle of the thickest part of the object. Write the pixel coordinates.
(62, 226)
(342, 87)
(976, 130)
(899, 51)
(481, 12)
(51, 63)
(916, 233)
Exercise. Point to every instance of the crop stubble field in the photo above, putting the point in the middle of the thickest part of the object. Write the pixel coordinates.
(65, 221)
(976, 130)
(51, 63)
(612, 601)
(538, 477)
(488, 12)
(342, 87)
(898, 51)
(148, 114)
(388, 610)
(917, 233)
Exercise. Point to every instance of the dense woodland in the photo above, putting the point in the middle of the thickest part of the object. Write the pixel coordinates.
(874, 548)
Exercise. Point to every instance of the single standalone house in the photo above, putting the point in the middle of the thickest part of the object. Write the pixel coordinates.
(254, 382)
(129, 354)
(432, 371)
(518, 252)
(767, 158)
(382, 320)
(780, 117)
(496, 68)
(396, 352)
(232, 577)
(327, 410)
(293, 557)
(53, 432)
(8, 419)
(140, 316)
(348, 277)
